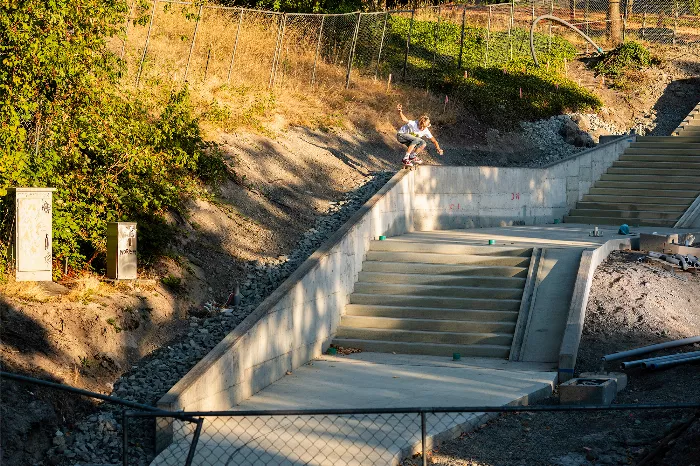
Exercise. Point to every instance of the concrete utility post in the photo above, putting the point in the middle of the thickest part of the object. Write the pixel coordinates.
(615, 22)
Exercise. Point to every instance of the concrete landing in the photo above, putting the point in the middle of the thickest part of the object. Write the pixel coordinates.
(365, 380)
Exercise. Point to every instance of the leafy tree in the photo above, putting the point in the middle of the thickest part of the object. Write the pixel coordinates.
(65, 123)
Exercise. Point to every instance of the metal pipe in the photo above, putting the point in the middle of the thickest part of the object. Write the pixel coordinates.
(558, 20)
(145, 46)
(672, 362)
(194, 38)
(461, 37)
(408, 43)
(423, 435)
(352, 50)
(650, 348)
(677, 357)
(235, 46)
(641, 362)
(381, 46)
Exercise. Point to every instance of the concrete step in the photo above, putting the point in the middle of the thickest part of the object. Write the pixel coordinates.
(429, 349)
(626, 214)
(676, 144)
(429, 258)
(644, 178)
(617, 221)
(446, 280)
(612, 204)
(442, 269)
(399, 312)
(436, 302)
(685, 151)
(607, 198)
(653, 171)
(415, 336)
(662, 158)
(663, 164)
(658, 185)
(671, 139)
(398, 245)
(693, 131)
(428, 325)
(641, 193)
(435, 290)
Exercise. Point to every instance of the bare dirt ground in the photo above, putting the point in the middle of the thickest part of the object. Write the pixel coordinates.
(89, 333)
(629, 306)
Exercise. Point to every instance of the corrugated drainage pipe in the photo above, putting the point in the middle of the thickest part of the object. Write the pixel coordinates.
(561, 21)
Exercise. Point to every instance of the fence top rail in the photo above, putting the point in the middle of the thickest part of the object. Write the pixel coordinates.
(419, 410)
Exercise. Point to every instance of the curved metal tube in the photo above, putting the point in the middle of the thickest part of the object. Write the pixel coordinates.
(561, 21)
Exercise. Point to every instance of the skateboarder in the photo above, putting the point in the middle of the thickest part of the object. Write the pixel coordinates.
(411, 134)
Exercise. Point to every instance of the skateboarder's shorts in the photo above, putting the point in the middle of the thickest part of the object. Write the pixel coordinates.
(410, 140)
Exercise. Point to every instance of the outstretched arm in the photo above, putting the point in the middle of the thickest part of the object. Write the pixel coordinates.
(399, 107)
(437, 146)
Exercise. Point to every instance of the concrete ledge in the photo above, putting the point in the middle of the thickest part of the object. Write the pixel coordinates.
(449, 197)
(590, 260)
(691, 217)
(526, 303)
(298, 320)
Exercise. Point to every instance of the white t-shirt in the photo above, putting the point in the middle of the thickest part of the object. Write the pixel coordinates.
(412, 128)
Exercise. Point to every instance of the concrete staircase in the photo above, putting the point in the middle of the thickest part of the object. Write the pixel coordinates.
(414, 297)
(653, 183)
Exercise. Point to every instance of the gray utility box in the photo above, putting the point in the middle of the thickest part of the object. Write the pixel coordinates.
(32, 239)
(121, 250)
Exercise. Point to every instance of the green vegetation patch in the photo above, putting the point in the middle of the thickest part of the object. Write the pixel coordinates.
(66, 124)
(628, 56)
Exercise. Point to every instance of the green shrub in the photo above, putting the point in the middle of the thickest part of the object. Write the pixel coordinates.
(625, 57)
(110, 156)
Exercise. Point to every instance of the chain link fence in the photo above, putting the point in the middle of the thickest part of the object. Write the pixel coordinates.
(181, 41)
(320, 437)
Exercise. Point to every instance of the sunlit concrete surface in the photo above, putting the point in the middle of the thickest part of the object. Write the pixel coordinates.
(365, 380)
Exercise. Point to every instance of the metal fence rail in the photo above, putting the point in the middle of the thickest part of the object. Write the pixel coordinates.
(307, 436)
(182, 41)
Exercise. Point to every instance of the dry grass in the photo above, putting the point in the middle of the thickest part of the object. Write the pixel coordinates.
(244, 100)
(84, 289)
(27, 291)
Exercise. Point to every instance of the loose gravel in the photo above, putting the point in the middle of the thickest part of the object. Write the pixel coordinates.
(97, 438)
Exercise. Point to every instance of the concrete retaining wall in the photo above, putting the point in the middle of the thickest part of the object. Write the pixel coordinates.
(296, 322)
(590, 260)
(472, 197)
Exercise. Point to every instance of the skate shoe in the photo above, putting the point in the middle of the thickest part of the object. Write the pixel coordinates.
(407, 163)
(416, 160)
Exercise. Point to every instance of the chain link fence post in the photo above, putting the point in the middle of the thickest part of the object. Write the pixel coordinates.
(351, 56)
(675, 23)
(488, 38)
(318, 50)
(235, 45)
(194, 37)
(381, 45)
(126, 28)
(125, 439)
(511, 21)
(145, 46)
(408, 43)
(436, 34)
(423, 437)
(278, 50)
(461, 37)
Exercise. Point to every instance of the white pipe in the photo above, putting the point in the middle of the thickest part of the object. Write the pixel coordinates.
(651, 348)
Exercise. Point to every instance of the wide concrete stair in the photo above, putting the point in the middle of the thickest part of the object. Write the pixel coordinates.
(652, 184)
(435, 299)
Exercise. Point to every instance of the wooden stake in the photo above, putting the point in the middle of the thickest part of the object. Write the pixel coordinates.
(388, 83)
